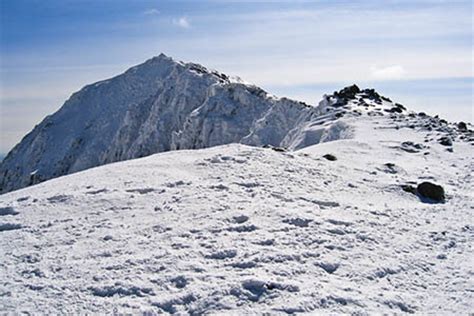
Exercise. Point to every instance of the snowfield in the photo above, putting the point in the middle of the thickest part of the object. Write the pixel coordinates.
(235, 229)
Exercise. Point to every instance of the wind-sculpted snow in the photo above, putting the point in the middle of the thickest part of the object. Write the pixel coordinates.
(245, 230)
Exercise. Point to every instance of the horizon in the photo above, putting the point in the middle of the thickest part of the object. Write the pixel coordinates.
(418, 53)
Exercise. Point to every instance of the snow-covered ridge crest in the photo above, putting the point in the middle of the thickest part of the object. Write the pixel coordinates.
(164, 105)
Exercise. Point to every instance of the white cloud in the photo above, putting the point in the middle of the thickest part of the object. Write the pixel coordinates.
(387, 73)
(182, 22)
(151, 12)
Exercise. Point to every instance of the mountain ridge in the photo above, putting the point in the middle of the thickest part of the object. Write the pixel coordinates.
(164, 105)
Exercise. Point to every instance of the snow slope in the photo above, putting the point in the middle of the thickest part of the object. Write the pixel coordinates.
(245, 230)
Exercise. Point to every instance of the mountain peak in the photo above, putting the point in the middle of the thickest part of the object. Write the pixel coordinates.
(164, 105)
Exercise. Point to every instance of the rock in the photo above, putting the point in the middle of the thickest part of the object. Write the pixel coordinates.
(400, 106)
(431, 191)
(462, 126)
(279, 149)
(411, 147)
(348, 92)
(445, 141)
(372, 95)
(390, 167)
(330, 157)
(408, 188)
(329, 267)
(395, 110)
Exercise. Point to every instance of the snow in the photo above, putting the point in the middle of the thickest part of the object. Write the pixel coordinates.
(280, 207)
(235, 229)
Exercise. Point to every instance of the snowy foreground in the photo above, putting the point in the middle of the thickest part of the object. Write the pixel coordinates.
(240, 230)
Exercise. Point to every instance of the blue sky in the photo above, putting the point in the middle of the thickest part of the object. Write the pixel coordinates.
(416, 52)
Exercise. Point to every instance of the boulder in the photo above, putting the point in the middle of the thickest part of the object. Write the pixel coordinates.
(431, 191)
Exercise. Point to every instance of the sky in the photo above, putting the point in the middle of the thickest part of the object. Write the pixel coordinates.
(418, 53)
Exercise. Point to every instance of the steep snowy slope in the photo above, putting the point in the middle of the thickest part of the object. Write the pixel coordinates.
(246, 230)
(156, 106)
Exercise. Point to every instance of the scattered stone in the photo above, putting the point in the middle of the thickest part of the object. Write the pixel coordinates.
(241, 219)
(394, 110)
(373, 95)
(408, 188)
(330, 157)
(328, 267)
(279, 149)
(445, 141)
(462, 126)
(398, 105)
(299, 222)
(390, 167)
(108, 237)
(411, 147)
(348, 92)
(431, 191)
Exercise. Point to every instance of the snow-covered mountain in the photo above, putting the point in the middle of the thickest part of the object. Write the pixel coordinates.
(164, 105)
(354, 206)
(334, 228)
(157, 106)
